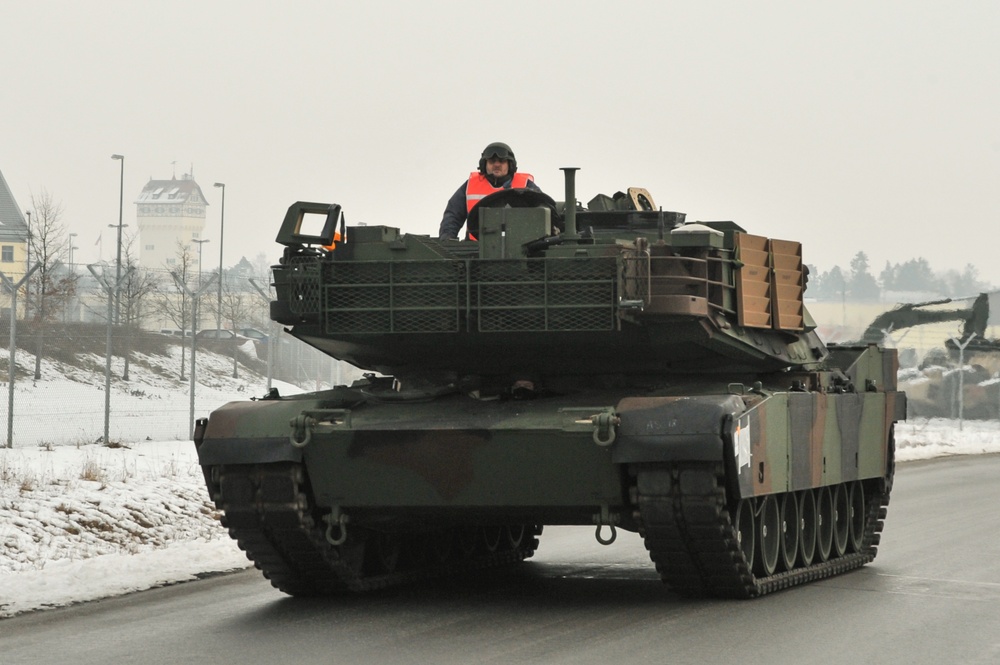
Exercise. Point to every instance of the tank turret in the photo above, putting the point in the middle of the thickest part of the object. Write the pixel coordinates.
(635, 291)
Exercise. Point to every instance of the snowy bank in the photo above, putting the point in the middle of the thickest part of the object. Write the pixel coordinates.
(79, 523)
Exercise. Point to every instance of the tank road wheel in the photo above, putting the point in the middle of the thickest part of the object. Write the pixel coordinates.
(492, 537)
(807, 527)
(824, 523)
(515, 535)
(746, 530)
(841, 519)
(857, 516)
(789, 530)
(768, 537)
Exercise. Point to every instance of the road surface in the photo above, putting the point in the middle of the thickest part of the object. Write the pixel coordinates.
(931, 596)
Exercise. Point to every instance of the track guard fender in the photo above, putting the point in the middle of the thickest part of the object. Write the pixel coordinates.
(668, 429)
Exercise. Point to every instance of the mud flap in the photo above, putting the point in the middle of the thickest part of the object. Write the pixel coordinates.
(247, 451)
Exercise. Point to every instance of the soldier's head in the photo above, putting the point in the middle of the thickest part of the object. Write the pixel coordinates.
(498, 162)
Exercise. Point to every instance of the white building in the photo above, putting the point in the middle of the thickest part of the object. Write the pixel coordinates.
(169, 212)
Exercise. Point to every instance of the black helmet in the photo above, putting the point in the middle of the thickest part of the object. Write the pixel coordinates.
(501, 150)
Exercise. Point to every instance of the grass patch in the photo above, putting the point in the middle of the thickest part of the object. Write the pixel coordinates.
(92, 471)
(28, 481)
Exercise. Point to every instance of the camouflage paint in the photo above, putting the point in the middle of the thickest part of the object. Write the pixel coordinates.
(802, 440)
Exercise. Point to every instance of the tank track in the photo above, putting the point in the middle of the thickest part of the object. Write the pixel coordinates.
(686, 524)
(267, 510)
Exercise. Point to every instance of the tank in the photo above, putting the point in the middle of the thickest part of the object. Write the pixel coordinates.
(610, 365)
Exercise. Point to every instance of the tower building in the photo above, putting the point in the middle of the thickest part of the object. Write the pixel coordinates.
(169, 212)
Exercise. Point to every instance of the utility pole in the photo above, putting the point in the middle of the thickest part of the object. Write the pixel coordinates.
(222, 230)
(118, 262)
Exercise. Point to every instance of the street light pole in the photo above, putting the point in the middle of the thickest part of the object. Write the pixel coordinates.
(200, 243)
(197, 324)
(222, 230)
(71, 248)
(72, 275)
(118, 263)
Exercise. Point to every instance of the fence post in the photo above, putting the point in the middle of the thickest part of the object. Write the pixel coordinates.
(12, 349)
(195, 297)
(107, 353)
(961, 376)
(270, 335)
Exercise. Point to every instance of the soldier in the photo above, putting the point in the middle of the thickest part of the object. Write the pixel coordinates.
(497, 170)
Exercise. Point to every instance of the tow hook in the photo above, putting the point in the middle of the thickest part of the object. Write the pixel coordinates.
(609, 519)
(302, 427)
(604, 428)
(335, 517)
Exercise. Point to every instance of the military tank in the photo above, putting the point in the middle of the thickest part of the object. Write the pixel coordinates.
(609, 365)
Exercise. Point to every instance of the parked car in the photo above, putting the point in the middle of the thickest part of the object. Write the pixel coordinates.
(214, 333)
(253, 334)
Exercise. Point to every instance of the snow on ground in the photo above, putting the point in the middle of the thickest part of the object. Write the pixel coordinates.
(81, 522)
(921, 439)
(78, 523)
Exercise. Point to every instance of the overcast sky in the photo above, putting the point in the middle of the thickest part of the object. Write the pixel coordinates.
(851, 126)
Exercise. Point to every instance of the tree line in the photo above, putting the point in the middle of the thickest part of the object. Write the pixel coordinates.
(858, 283)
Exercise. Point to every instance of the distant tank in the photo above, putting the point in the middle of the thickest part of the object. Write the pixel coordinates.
(607, 365)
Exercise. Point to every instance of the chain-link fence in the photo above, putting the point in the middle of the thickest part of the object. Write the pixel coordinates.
(58, 395)
(78, 380)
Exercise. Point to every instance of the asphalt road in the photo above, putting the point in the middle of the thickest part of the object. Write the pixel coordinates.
(931, 596)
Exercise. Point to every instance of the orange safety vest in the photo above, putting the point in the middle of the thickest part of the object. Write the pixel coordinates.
(333, 246)
(479, 187)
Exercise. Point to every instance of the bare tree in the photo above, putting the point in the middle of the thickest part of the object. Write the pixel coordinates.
(236, 307)
(47, 243)
(260, 311)
(137, 292)
(174, 302)
(139, 285)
